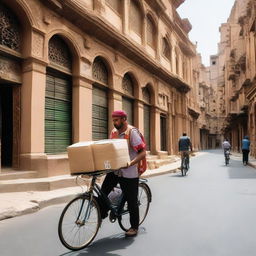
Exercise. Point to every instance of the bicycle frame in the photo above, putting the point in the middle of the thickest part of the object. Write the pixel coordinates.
(94, 188)
(82, 215)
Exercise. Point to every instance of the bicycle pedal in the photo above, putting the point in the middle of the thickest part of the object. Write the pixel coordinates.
(112, 218)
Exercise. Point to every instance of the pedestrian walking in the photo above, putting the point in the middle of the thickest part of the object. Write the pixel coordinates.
(245, 149)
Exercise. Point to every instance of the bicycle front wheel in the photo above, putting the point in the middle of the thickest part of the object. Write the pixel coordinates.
(143, 203)
(79, 223)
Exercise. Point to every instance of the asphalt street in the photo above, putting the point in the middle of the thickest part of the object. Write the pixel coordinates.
(211, 212)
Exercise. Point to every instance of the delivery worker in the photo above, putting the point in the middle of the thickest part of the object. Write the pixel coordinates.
(128, 177)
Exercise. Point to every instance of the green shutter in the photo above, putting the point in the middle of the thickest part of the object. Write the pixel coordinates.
(58, 114)
(127, 105)
(147, 125)
(99, 114)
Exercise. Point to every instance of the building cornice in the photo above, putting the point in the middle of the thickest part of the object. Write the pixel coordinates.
(96, 26)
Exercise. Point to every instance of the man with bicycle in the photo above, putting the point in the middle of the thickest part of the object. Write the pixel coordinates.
(184, 146)
(226, 146)
(128, 178)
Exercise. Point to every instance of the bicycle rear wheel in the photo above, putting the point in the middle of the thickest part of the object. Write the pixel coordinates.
(186, 165)
(182, 167)
(144, 199)
(75, 231)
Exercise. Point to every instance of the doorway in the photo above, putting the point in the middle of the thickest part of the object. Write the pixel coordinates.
(163, 132)
(6, 125)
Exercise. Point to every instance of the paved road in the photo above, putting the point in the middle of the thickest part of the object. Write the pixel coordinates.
(211, 212)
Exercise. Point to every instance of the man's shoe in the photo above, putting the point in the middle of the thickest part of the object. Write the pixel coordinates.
(131, 232)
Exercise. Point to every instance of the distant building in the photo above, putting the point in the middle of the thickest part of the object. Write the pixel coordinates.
(237, 77)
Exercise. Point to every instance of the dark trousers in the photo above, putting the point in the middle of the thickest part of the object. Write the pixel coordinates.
(130, 191)
(245, 155)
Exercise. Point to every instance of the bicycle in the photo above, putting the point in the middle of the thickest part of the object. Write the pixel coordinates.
(184, 163)
(227, 156)
(80, 219)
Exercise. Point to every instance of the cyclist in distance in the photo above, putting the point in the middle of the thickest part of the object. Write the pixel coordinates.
(226, 145)
(184, 146)
(128, 178)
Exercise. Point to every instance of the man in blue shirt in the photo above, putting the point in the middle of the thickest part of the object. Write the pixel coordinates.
(245, 149)
(184, 145)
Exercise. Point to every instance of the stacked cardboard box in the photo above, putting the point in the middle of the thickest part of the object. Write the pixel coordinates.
(98, 155)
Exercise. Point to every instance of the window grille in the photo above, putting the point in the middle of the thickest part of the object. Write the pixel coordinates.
(127, 85)
(99, 71)
(9, 29)
(59, 53)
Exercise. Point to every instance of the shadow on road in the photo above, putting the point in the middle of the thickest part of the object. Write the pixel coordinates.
(236, 170)
(104, 247)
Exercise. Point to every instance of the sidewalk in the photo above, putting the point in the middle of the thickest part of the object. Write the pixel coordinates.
(239, 156)
(19, 203)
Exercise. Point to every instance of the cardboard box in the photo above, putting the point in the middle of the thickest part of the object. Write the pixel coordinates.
(110, 154)
(81, 157)
(92, 156)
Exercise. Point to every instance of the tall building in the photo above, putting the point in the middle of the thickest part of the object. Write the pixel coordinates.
(66, 65)
(238, 62)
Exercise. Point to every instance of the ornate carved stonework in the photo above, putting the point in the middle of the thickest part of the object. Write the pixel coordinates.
(99, 71)
(146, 95)
(9, 29)
(59, 53)
(37, 47)
(10, 70)
(162, 100)
(127, 85)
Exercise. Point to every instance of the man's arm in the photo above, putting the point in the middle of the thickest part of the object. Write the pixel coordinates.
(140, 156)
(138, 145)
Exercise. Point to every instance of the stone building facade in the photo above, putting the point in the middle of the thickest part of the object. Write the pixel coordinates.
(66, 65)
(210, 104)
(237, 56)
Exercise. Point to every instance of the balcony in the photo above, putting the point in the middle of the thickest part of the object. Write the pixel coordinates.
(193, 112)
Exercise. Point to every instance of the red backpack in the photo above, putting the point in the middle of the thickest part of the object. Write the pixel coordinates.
(142, 165)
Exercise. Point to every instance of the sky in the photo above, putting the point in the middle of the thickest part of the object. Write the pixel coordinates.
(206, 17)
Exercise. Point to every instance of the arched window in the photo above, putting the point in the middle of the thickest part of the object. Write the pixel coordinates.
(146, 114)
(151, 32)
(100, 100)
(58, 53)
(115, 4)
(177, 61)
(10, 35)
(100, 71)
(127, 100)
(166, 50)
(184, 69)
(146, 95)
(135, 21)
(127, 85)
(58, 98)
